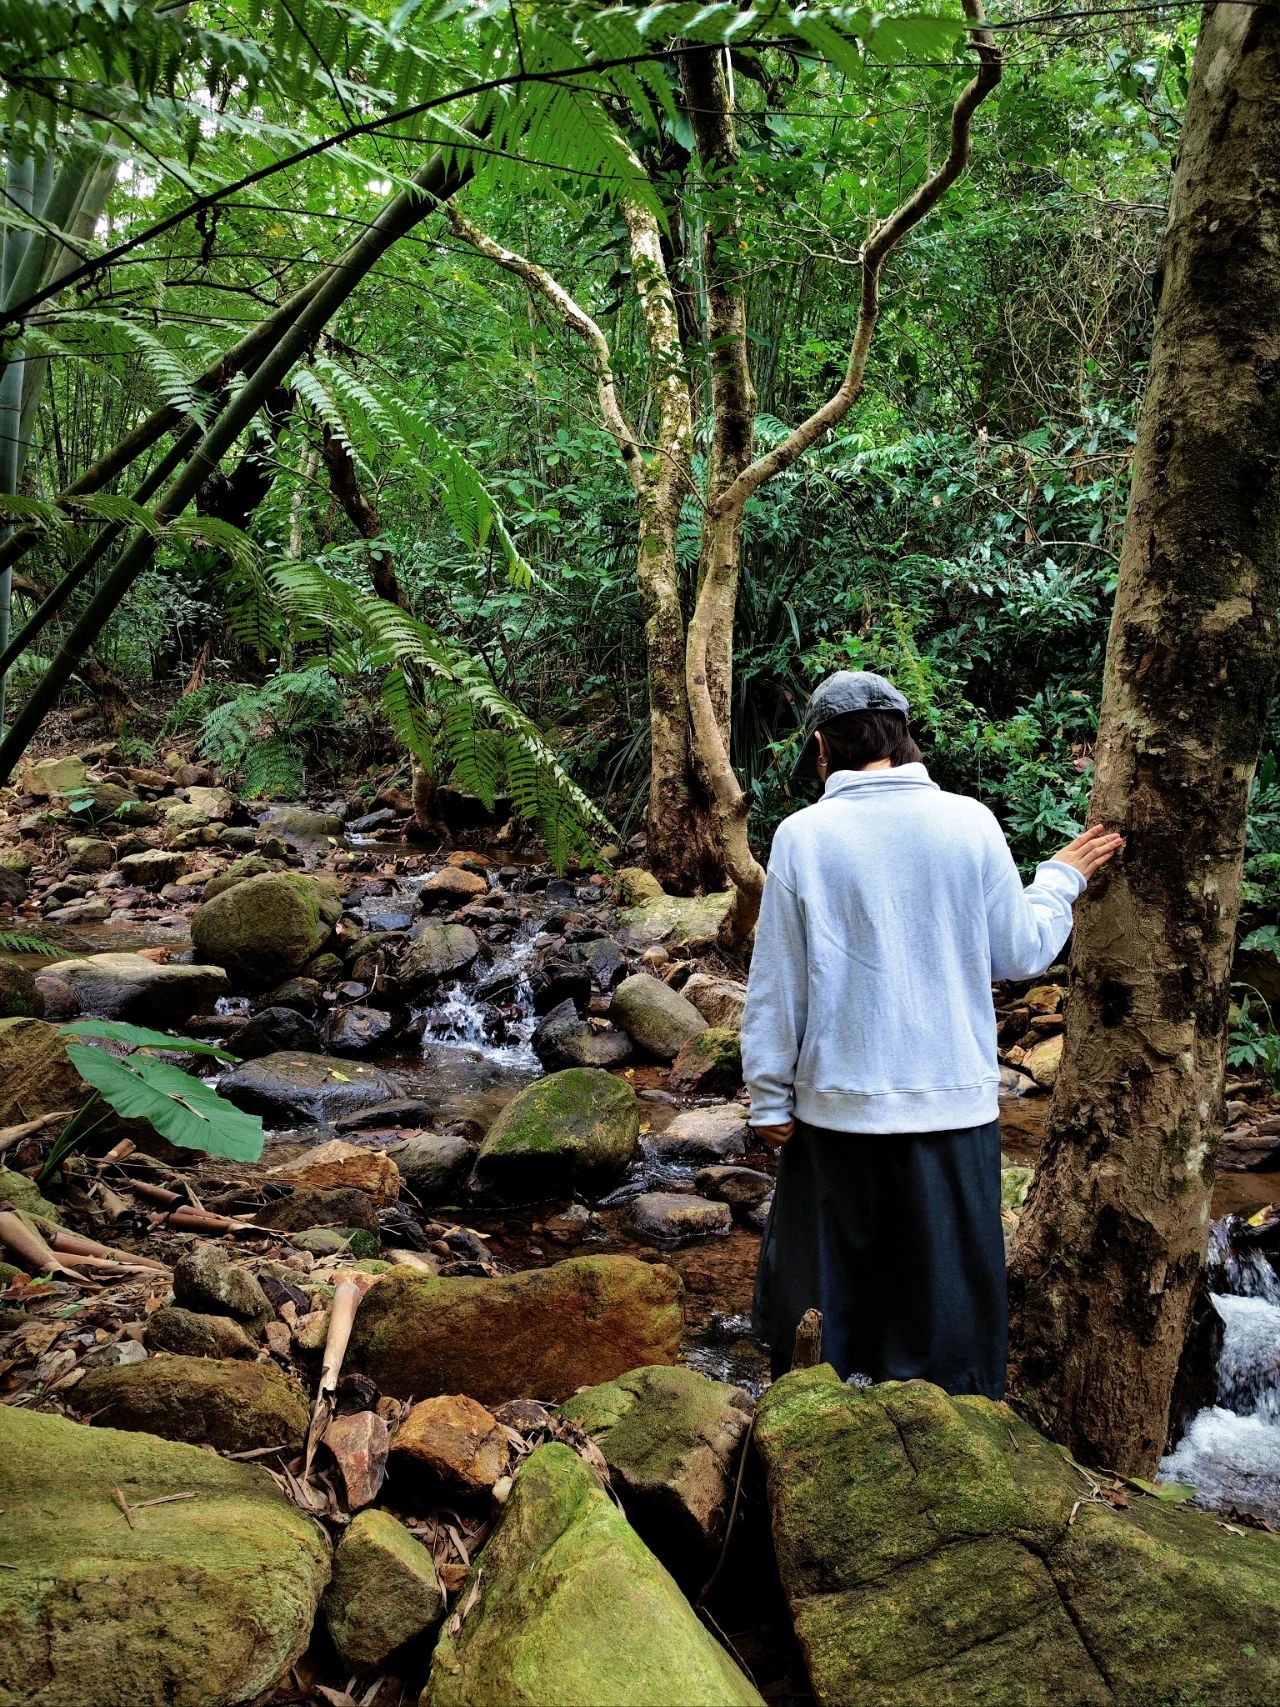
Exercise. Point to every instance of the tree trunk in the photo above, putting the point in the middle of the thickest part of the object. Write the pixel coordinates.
(1108, 1250)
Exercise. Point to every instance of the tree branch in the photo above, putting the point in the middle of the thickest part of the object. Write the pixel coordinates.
(578, 321)
(883, 240)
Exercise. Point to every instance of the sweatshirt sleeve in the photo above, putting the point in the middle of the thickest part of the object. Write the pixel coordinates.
(777, 1004)
(1027, 926)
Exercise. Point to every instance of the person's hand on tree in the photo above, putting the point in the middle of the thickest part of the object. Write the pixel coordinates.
(775, 1136)
(1092, 850)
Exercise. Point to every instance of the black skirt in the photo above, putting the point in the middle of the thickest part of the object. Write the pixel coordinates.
(898, 1241)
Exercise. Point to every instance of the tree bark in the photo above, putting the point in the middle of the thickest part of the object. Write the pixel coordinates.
(1113, 1237)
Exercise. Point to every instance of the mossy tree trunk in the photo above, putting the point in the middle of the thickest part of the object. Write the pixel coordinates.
(1111, 1242)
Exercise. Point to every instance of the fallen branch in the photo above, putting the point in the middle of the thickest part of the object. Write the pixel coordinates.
(342, 1315)
(12, 1134)
(27, 1245)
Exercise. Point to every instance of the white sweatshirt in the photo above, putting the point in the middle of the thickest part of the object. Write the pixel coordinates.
(888, 909)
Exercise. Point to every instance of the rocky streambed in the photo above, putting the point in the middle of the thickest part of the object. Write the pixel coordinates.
(452, 1393)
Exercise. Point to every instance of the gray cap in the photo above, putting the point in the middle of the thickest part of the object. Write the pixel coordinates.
(846, 691)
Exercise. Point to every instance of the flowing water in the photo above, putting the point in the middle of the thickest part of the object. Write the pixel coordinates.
(1231, 1452)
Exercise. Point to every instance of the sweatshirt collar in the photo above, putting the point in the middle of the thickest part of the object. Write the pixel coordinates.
(846, 784)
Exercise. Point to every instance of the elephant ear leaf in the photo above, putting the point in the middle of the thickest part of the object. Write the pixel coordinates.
(183, 1109)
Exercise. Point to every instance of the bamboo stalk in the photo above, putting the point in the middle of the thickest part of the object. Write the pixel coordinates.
(27, 1245)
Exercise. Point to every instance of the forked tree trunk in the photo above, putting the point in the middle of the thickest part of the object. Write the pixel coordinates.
(1109, 1247)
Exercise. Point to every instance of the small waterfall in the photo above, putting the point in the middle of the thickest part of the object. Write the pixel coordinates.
(459, 1017)
(1231, 1452)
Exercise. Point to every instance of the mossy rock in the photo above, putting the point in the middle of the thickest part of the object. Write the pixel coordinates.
(384, 1591)
(266, 928)
(570, 1609)
(252, 865)
(676, 921)
(234, 1406)
(671, 1438)
(203, 1601)
(435, 954)
(542, 1332)
(655, 1016)
(26, 1196)
(36, 1075)
(633, 885)
(20, 995)
(1015, 1183)
(938, 1548)
(711, 1061)
(581, 1125)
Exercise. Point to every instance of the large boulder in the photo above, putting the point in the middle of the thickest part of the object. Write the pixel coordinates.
(134, 987)
(672, 1439)
(715, 1134)
(720, 1001)
(206, 1280)
(152, 868)
(432, 1164)
(436, 953)
(267, 927)
(451, 1447)
(201, 1601)
(384, 1590)
(36, 1075)
(678, 1217)
(568, 1608)
(578, 1125)
(234, 1406)
(712, 1061)
(542, 1332)
(293, 1088)
(564, 1038)
(655, 1016)
(938, 1548)
(300, 824)
(676, 922)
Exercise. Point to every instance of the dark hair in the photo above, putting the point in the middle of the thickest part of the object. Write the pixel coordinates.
(859, 738)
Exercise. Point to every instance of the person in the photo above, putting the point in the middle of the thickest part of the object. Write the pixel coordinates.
(869, 1050)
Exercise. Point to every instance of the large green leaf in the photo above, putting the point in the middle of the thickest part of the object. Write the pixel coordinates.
(142, 1037)
(181, 1108)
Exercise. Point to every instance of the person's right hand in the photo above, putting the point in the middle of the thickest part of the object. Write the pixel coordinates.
(1091, 851)
(775, 1136)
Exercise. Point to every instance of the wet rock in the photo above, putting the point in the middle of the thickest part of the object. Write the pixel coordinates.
(356, 1030)
(557, 983)
(677, 1218)
(301, 994)
(135, 987)
(672, 1439)
(676, 922)
(712, 1061)
(207, 1281)
(449, 1447)
(938, 1548)
(36, 1075)
(234, 1406)
(13, 886)
(339, 1165)
(315, 1207)
(720, 1001)
(47, 778)
(563, 1038)
(433, 1164)
(384, 1590)
(1042, 1060)
(578, 1125)
(1242, 1148)
(324, 967)
(452, 885)
(20, 995)
(397, 1111)
(570, 1606)
(716, 1134)
(297, 824)
(368, 822)
(293, 1088)
(542, 1331)
(655, 1016)
(191, 1334)
(89, 853)
(740, 1188)
(153, 869)
(266, 927)
(205, 1601)
(605, 961)
(273, 1031)
(436, 953)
